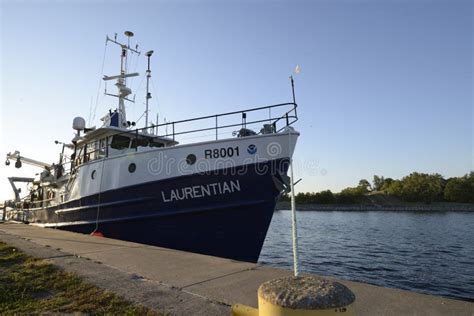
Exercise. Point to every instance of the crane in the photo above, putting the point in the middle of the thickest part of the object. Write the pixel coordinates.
(19, 160)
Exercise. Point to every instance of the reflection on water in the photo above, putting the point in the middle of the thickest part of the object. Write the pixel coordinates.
(427, 252)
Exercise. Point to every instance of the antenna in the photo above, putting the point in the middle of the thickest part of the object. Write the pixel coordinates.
(148, 94)
(128, 34)
(123, 90)
(296, 71)
(124, 47)
(293, 88)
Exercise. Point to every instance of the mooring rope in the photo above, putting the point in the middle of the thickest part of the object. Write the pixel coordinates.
(98, 200)
(293, 213)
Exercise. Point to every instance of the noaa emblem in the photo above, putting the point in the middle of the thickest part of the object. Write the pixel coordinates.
(252, 149)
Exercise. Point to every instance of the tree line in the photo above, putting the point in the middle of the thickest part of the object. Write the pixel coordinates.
(416, 187)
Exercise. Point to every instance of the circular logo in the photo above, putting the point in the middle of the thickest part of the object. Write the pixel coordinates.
(252, 149)
(274, 149)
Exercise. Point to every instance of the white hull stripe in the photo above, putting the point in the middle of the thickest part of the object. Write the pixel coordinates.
(131, 218)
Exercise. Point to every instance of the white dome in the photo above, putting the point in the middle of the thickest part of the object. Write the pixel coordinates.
(79, 123)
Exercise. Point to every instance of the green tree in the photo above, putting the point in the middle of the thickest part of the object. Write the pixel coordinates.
(324, 197)
(378, 182)
(351, 195)
(394, 187)
(365, 184)
(345, 197)
(301, 197)
(460, 189)
(386, 184)
(418, 187)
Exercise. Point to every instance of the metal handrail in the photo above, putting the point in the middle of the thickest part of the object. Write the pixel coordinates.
(290, 116)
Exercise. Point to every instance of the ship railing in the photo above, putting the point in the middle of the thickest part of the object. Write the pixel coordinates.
(16, 210)
(215, 124)
(41, 203)
(26, 205)
(236, 123)
(66, 164)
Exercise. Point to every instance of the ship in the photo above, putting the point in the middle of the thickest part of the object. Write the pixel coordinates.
(213, 195)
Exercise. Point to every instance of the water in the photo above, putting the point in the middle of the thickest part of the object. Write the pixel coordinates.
(426, 252)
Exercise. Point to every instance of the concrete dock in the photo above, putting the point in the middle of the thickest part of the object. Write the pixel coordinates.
(182, 283)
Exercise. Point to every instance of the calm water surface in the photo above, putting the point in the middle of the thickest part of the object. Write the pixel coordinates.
(426, 252)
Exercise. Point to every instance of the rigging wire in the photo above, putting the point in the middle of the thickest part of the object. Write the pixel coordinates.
(134, 68)
(140, 85)
(138, 120)
(100, 82)
(90, 110)
(136, 92)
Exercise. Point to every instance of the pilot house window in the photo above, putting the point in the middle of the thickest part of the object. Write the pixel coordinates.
(120, 142)
(139, 142)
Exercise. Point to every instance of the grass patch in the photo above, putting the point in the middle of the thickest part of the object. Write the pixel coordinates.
(29, 285)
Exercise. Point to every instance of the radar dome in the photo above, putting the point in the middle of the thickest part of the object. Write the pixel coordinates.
(78, 123)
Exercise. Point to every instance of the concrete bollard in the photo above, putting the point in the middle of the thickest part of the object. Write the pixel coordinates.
(301, 296)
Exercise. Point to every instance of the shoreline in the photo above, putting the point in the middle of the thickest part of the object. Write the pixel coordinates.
(434, 207)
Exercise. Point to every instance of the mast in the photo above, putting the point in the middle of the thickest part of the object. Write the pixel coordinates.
(123, 90)
(148, 94)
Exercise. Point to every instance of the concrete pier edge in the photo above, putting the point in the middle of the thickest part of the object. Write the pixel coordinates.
(181, 283)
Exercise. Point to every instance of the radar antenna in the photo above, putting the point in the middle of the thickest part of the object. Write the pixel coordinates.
(123, 90)
(148, 94)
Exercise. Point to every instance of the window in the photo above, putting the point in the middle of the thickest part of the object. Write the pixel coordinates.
(191, 159)
(79, 157)
(120, 142)
(139, 142)
(102, 148)
(154, 143)
(145, 142)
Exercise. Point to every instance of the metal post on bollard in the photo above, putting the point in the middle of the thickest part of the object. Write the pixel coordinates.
(296, 295)
(300, 296)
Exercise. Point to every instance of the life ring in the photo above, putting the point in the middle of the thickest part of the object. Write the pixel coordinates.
(50, 195)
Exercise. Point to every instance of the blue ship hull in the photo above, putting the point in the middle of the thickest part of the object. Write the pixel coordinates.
(224, 213)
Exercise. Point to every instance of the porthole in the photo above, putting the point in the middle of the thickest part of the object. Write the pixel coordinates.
(132, 167)
(191, 159)
(93, 174)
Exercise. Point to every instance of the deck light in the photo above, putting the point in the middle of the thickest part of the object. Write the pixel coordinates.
(18, 163)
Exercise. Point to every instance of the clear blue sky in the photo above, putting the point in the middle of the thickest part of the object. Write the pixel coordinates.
(386, 86)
